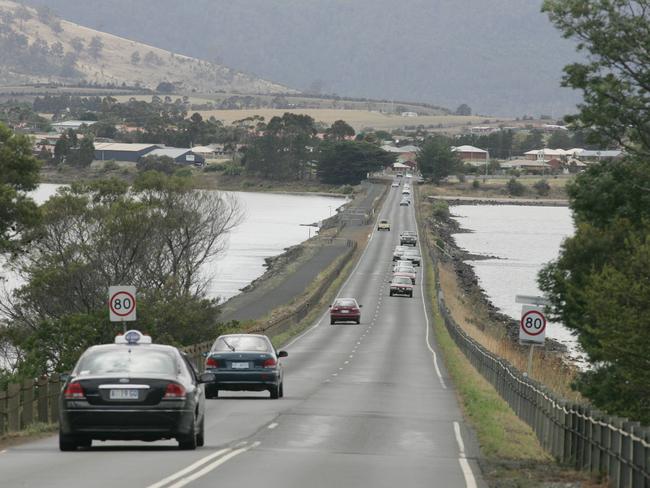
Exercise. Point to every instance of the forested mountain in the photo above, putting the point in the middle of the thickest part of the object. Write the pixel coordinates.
(498, 56)
(38, 46)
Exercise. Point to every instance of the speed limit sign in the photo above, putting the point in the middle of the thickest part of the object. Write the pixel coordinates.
(532, 327)
(121, 303)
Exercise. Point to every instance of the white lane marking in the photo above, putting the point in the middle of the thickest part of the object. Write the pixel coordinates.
(340, 369)
(470, 481)
(335, 374)
(354, 270)
(351, 356)
(273, 425)
(4, 451)
(428, 326)
(347, 362)
(189, 469)
(212, 466)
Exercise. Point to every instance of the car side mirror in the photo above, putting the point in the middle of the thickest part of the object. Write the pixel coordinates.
(207, 377)
(282, 354)
(63, 377)
(205, 354)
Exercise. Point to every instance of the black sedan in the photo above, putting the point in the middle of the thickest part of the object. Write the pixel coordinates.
(245, 362)
(132, 390)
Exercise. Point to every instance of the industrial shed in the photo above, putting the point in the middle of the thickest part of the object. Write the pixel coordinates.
(122, 151)
(179, 155)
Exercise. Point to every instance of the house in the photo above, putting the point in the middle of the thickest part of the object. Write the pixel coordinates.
(589, 156)
(543, 154)
(471, 154)
(119, 151)
(75, 125)
(482, 129)
(533, 166)
(179, 155)
(409, 114)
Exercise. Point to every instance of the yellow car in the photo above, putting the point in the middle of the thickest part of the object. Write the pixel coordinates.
(383, 225)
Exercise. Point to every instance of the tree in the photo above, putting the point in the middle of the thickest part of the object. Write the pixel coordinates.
(339, 131)
(18, 175)
(86, 151)
(560, 139)
(135, 58)
(349, 162)
(463, 109)
(436, 160)
(77, 44)
(96, 46)
(162, 164)
(158, 235)
(61, 149)
(165, 87)
(598, 286)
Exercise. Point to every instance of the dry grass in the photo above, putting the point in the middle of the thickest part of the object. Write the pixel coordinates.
(496, 188)
(359, 119)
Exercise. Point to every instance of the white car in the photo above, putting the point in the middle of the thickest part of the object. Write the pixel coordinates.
(405, 202)
(395, 184)
(406, 191)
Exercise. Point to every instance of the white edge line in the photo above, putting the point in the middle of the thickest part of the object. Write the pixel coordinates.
(313, 327)
(212, 466)
(189, 469)
(4, 451)
(470, 481)
(273, 425)
(426, 318)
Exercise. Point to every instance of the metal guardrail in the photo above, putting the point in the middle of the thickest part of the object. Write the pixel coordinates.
(575, 434)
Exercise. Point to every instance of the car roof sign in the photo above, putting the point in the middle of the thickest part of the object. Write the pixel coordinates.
(133, 337)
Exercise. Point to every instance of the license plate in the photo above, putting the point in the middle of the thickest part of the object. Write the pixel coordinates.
(239, 365)
(345, 311)
(124, 394)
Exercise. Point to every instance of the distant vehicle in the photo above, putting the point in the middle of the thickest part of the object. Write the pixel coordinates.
(383, 225)
(397, 253)
(409, 175)
(398, 174)
(404, 202)
(408, 238)
(406, 191)
(413, 256)
(401, 285)
(408, 271)
(132, 390)
(245, 362)
(395, 184)
(402, 262)
(345, 310)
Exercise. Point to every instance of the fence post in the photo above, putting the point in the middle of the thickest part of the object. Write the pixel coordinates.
(640, 472)
(596, 442)
(615, 457)
(53, 388)
(3, 412)
(626, 454)
(41, 397)
(27, 417)
(13, 407)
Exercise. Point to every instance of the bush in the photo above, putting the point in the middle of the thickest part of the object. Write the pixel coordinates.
(232, 169)
(183, 172)
(441, 210)
(476, 184)
(461, 177)
(346, 189)
(110, 165)
(515, 188)
(213, 168)
(542, 187)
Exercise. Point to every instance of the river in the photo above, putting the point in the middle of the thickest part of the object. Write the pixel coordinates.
(272, 223)
(519, 240)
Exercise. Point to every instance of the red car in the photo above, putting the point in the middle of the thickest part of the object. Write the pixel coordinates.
(345, 310)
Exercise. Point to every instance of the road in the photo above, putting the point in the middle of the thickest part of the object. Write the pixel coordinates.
(365, 405)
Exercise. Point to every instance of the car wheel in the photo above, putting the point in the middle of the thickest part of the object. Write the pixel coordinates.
(68, 442)
(200, 437)
(211, 391)
(281, 392)
(188, 442)
(411, 295)
(332, 321)
(390, 293)
(358, 321)
(274, 391)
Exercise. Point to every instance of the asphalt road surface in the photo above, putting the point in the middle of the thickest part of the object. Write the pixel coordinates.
(365, 405)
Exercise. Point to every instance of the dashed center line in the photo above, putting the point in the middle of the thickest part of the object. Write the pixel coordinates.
(273, 425)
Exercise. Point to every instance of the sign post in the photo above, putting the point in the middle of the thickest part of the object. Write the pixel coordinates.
(532, 330)
(122, 304)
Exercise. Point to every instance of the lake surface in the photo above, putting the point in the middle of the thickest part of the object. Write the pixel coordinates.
(523, 238)
(272, 223)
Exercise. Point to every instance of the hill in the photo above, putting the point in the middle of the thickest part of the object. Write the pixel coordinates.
(38, 47)
(502, 57)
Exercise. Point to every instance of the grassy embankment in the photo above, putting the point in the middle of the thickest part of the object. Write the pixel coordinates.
(511, 455)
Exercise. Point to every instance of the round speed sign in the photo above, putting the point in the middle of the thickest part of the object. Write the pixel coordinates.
(122, 303)
(533, 323)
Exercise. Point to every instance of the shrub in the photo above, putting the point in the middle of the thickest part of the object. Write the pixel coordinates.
(461, 177)
(476, 184)
(110, 165)
(542, 187)
(212, 168)
(515, 188)
(346, 189)
(183, 172)
(232, 169)
(441, 210)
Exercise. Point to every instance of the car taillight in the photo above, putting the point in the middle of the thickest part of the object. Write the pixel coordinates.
(336, 309)
(212, 363)
(74, 391)
(270, 363)
(174, 391)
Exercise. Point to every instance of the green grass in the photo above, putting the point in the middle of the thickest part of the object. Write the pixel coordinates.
(501, 434)
(33, 431)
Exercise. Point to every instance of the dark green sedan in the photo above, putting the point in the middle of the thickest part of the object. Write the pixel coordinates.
(244, 362)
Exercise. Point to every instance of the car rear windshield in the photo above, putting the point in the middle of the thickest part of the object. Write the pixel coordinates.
(401, 280)
(241, 343)
(345, 303)
(404, 269)
(128, 360)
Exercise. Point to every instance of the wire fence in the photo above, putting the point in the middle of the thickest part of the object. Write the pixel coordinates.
(575, 434)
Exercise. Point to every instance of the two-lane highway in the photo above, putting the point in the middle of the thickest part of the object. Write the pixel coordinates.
(365, 405)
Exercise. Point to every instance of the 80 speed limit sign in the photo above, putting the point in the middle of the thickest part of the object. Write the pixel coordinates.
(121, 303)
(532, 327)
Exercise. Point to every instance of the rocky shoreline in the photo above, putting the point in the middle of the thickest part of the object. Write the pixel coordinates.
(445, 228)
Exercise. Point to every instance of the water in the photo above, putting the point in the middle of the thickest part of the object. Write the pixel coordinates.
(272, 223)
(523, 238)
